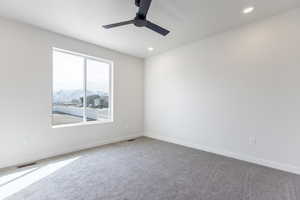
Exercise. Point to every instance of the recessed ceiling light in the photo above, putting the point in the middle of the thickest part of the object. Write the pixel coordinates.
(248, 10)
(150, 49)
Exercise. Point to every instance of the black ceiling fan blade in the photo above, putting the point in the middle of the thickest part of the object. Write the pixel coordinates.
(157, 28)
(118, 24)
(144, 7)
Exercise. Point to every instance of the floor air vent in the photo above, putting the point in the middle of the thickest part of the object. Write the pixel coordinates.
(131, 140)
(27, 165)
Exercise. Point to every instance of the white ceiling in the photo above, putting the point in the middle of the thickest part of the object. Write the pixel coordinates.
(188, 20)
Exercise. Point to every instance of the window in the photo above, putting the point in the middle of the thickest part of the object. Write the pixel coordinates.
(82, 89)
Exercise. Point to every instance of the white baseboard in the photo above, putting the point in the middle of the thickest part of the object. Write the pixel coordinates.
(74, 149)
(263, 162)
(105, 142)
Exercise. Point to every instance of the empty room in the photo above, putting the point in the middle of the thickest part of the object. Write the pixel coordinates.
(150, 100)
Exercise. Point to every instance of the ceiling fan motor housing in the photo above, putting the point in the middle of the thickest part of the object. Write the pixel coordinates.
(140, 20)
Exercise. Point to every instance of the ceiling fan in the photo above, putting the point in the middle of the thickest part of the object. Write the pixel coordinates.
(141, 19)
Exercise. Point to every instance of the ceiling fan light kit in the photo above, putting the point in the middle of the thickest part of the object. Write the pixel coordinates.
(140, 19)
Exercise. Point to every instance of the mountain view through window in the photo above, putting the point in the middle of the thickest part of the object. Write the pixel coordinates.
(81, 89)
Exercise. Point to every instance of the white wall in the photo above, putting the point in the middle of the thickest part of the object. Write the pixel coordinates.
(218, 93)
(25, 92)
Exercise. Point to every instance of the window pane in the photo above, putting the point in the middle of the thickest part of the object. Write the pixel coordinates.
(68, 88)
(98, 91)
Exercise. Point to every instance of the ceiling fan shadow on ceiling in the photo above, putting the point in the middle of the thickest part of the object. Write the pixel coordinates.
(141, 19)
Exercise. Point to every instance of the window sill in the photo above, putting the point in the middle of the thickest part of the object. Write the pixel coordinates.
(82, 124)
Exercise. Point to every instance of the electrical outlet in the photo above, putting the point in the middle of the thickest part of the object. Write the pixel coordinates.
(25, 142)
(252, 140)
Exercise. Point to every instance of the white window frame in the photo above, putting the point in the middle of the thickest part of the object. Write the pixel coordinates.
(111, 81)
